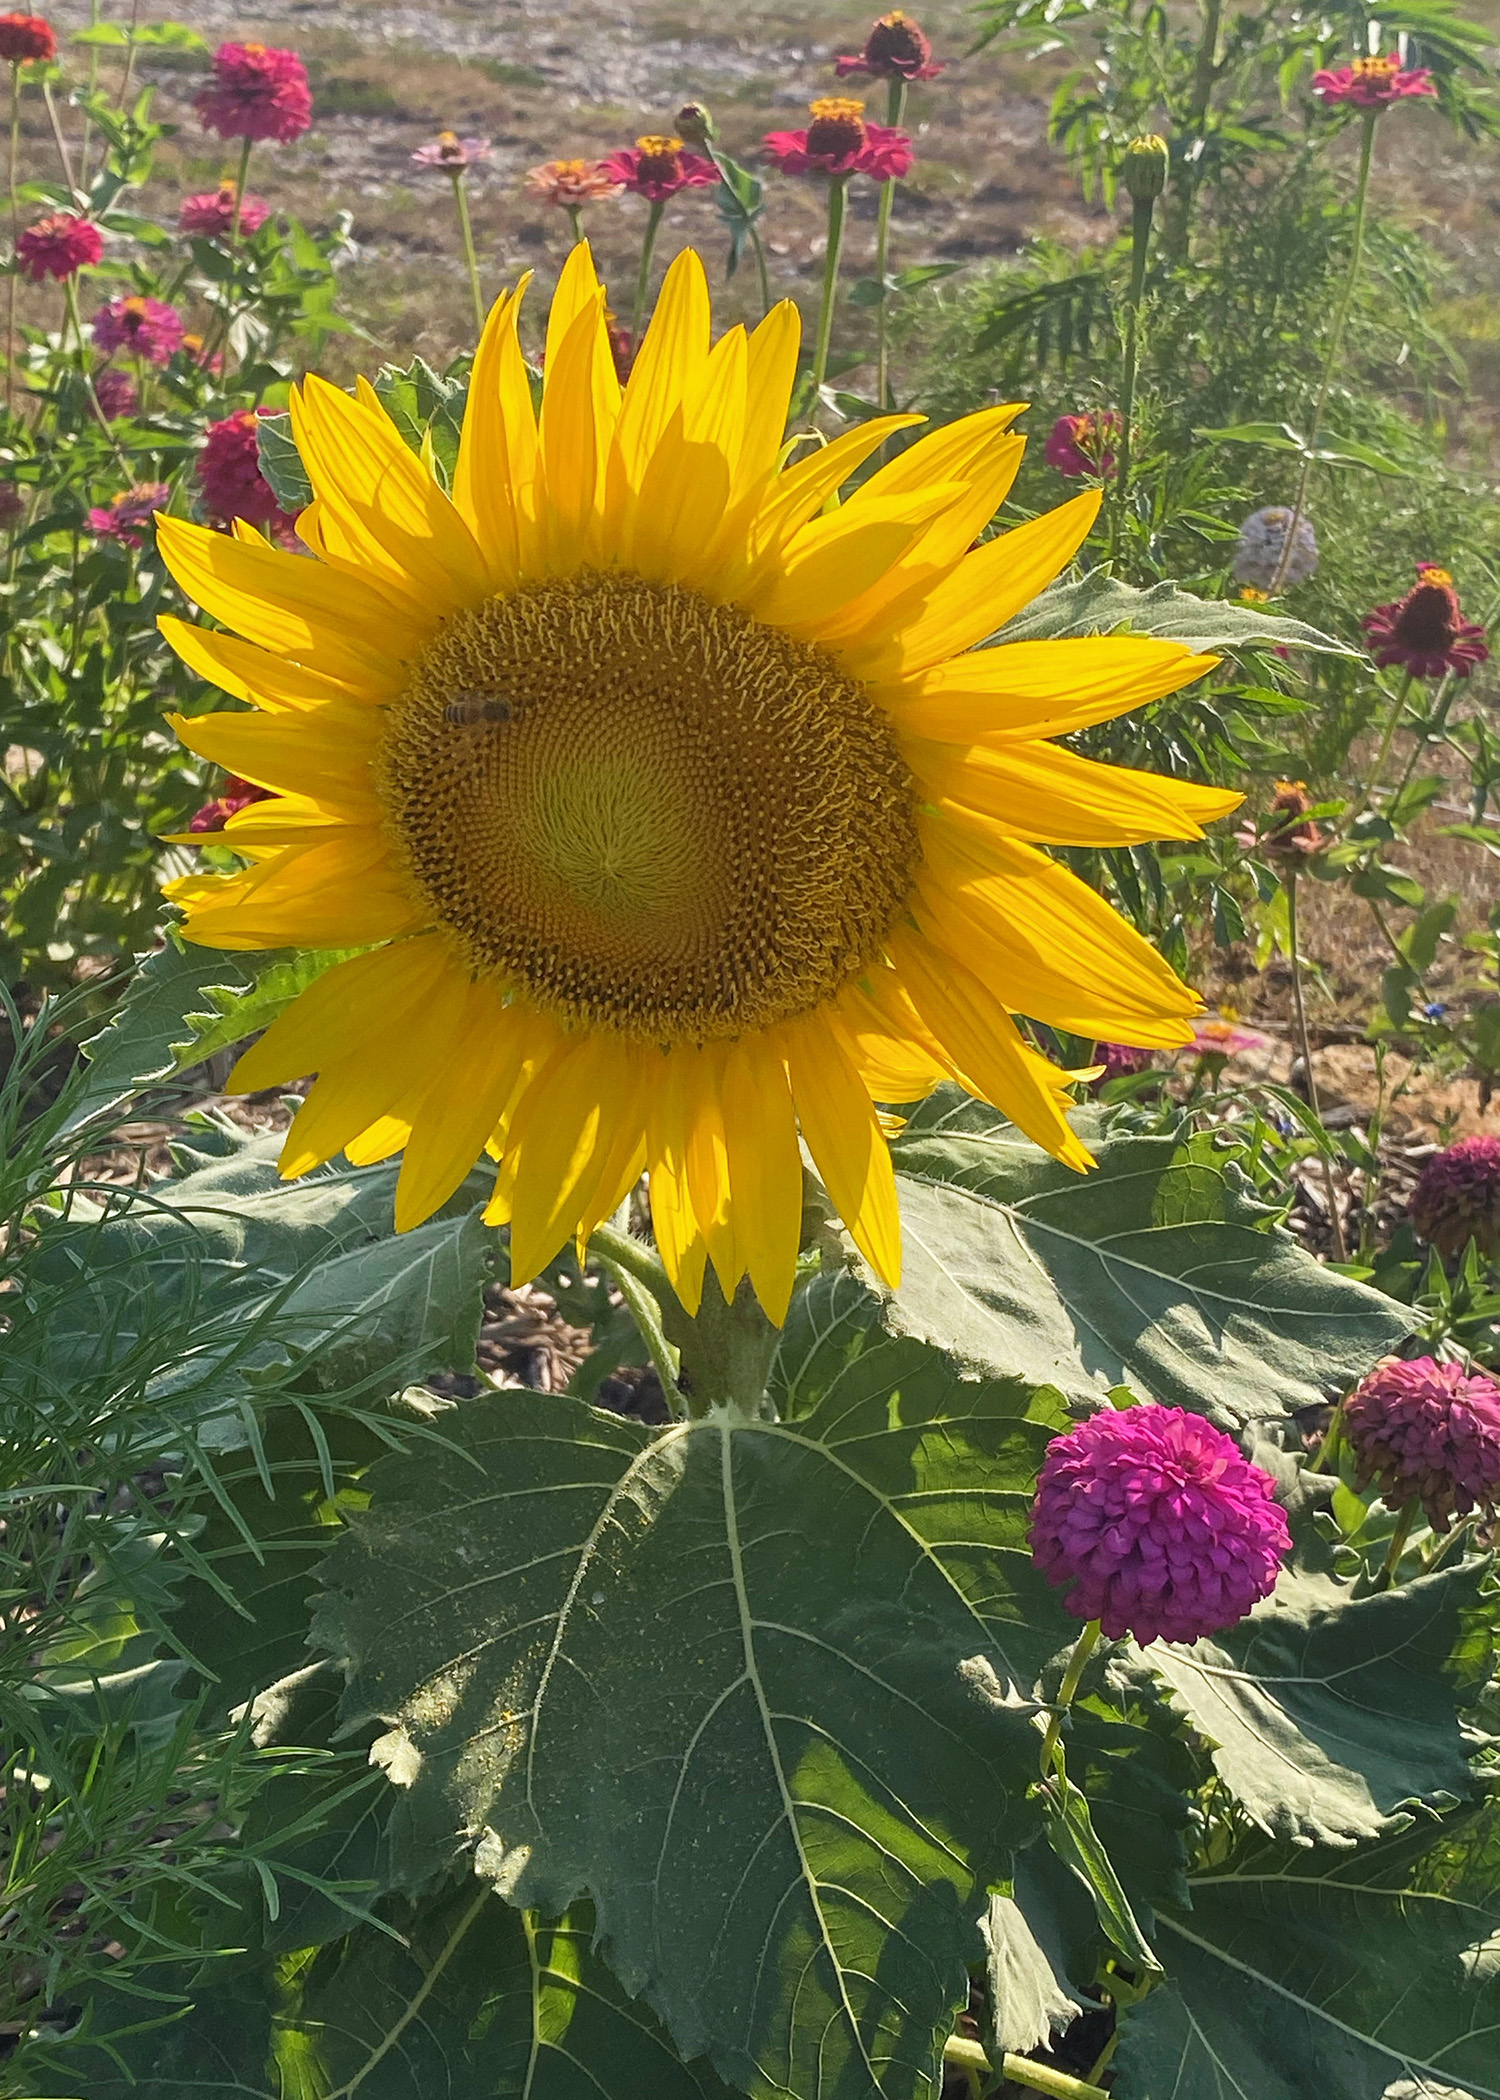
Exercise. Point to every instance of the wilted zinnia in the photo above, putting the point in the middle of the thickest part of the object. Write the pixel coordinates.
(669, 802)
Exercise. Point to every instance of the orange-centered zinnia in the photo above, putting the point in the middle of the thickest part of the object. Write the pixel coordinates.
(674, 809)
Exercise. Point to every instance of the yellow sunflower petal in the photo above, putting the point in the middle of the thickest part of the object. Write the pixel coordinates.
(765, 1170)
(986, 1047)
(560, 1143)
(835, 558)
(246, 672)
(345, 1010)
(494, 481)
(673, 353)
(325, 752)
(771, 373)
(896, 1058)
(339, 894)
(844, 1136)
(801, 490)
(708, 1162)
(580, 409)
(1024, 690)
(330, 622)
(987, 588)
(680, 1243)
(468, 1092)
(1057, 798)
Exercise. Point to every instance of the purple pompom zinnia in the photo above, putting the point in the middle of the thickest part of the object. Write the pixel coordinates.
(1160, 1526)
(1430, 1433)
(1457, 1197)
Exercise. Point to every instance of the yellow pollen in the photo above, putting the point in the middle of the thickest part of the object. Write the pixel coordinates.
(836, 106)
(1430, 573)
(1375, 69)
(649, 812)
(657, 146)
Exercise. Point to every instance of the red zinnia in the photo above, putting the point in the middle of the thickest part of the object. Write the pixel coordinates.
(1085, 444)
(127, 517)
(895, 49)
(144, 327)
(59, 246)
(238, 794)
(25, 39)
(657, 168)
(115, 392)
(212, 212)
(838, 141)
(1426, 631)
(229, 471)
(1371, 83)
(257, 93)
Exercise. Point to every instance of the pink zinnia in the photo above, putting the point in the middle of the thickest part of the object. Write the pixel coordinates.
(1371, 83)
(1085, 444)
(895, 49)
(212, 212)
(115, 392)
(257, 93)
(229, 472)
(1158, 1524)
(59, 246)
(1428, 1432)
(12, 503)
(27, 40)
(838, 141)
(1221, 1035)
(1120, 1061)
(657, 168)
(1426, 632)
(238, 794)
(127, 517)
(1457, 1197)
(141, 327)
(452, 154)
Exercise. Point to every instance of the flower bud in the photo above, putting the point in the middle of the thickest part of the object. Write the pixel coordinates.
(695, 124)
(1146, 165)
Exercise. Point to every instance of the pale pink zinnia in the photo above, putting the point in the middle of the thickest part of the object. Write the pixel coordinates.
(211, 212)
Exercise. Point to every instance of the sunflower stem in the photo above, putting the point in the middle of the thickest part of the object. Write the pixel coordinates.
(15, 234)
(837, 193)
(1083, 1648)
(1335, 344)
(1336, 1223)
(895, 106)
(726, 1346)
(461, 199)
(965, 2055)
(643, 275)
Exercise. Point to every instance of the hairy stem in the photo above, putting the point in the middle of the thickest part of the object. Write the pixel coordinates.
(1083, 1648)
(1299, 1007)
(838, 190)
(895, 108)
(15, 234)
(461, 199)
(1020, 2070)
(1397, 1547)
(60, 142)
(1335, 344)
(1140, 242)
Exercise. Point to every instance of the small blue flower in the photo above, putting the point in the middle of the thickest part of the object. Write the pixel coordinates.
(1435, 1010)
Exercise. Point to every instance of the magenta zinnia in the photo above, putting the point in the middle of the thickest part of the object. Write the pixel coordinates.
(1428, 1432)
(141, 327)
(229, 474)
(1457, 1197)
(115, 392)
(256, 93)
(838, 141)
(1372, 83)
(1085, 444)
(59, 246)
(211, 212)
(657, 168)
(1156, 1525)
(127, 517)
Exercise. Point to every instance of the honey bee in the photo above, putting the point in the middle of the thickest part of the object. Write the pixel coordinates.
(468, 709)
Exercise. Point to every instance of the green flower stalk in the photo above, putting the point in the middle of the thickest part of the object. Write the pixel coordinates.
(1145, 177)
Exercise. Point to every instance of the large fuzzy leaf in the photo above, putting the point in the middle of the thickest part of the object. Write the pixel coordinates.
(1304, 1972)
(1100, 604)
(1155, 1271)
(759, 1689)
(1328, 1711)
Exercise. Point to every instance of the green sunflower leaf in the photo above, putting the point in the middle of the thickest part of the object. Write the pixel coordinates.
(1158, 1271)
(761, 1690)
(1327, 1711)
(1099, 604)
(281, 462)
(1303, 1971)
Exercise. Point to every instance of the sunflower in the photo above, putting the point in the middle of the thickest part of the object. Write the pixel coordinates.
(666, 796)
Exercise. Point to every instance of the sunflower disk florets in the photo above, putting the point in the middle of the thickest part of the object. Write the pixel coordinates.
(1428, 1432)
(1158, 1524)
(1457, 1197)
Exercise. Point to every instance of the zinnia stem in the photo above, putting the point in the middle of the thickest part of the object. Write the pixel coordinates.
(62, 144)
(239, 193)
(1140, 243)
(1330, 1441)
(1083, 1648)
(895, 106)
(461, 199)
(70, 294)
(15, 235)
(1397, 1547)
(125, 77)
(1336, 1223)
(643, 278)
(1335, 344)
(1376, 774)
(575, 220)
(837, 194)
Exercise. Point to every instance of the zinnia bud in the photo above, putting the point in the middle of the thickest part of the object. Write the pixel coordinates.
(1457, 1197)
(1428, 1432)
(695, 124)
(1146, 163)
(1157, 1523)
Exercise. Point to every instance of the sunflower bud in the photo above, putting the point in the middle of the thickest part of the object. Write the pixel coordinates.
(1146, 164)
(696, 125)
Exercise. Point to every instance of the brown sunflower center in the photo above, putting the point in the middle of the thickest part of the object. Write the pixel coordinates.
(649, 812)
